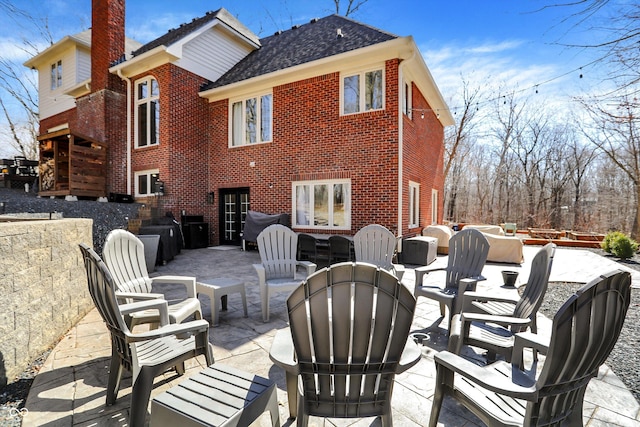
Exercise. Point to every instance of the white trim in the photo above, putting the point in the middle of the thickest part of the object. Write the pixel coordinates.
(150, 117)
(361, 73)
(147, 173)
(414, 204)
(434, 206)
(329, 183)
(243, 100)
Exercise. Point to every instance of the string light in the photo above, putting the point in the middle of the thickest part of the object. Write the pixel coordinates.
(536, 87)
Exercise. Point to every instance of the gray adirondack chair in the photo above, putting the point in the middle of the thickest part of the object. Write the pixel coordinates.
(146, 354)
(349, 325)
(376, 245)
(278, 247)
(584, 331)
(468, 251)
(490, 322)
(123, 254)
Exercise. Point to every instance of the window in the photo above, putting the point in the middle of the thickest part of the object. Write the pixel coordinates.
(362, 92)
(406, 100)
(414, 204)
(251, 120)
(147, 112)
(434, 206)
(56, 75)
(322, 204)
(146, 182)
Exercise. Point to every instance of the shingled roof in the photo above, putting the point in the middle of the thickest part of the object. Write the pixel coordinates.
(183, 30)
(301, 44)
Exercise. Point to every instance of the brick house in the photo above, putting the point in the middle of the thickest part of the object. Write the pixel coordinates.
(334, 122)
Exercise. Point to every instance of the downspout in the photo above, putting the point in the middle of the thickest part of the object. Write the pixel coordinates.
(128, 129)
(401, 145)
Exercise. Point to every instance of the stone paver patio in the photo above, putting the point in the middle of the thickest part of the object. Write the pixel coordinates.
(70, 389)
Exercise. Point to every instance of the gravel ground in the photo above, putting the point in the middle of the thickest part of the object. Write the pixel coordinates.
(624, 359)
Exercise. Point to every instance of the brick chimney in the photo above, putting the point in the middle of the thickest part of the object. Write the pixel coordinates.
(102, 114)
(107, 42)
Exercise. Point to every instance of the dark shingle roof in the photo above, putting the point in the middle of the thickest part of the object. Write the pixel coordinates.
(183, 30)
(310, 42)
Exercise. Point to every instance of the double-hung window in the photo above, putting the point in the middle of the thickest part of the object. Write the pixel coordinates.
(322, 204)
(56, 75)
(414, 204)
(146, 182)
(363, 91)
(147, 112)
(251, 120)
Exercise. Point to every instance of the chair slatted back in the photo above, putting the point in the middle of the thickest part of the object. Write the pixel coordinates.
(278, 246)
(375, 245)
(349, 324)
(340, 249)
(123, 254)
(307, 248)
(468, 250)
(102, 291)
(584, 331)
(536, 288)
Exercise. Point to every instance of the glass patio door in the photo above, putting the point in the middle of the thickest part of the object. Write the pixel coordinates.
(234, 204)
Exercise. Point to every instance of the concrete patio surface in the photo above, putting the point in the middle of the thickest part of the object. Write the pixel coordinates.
(70, 389)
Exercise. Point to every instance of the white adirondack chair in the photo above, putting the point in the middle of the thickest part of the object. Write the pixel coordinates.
(376, 245)
(278, 246)
(123, 254)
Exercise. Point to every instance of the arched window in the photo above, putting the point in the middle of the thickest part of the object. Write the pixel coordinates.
(147, 112)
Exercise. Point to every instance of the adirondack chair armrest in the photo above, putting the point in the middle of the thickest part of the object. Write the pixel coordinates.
(308, 265)
(187, 281)
(410, 356)
(469, 297)
(521, 386)
(160, 304)
(536, 342)
(424, 270)
(122, 297)
(467, 284)
(262, 273)
(192, 327)
(282, 352)
(491, 318)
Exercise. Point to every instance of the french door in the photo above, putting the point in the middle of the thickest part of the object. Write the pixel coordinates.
(234, 204)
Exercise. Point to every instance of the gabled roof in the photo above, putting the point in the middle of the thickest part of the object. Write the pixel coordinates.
(82, 39)
(177, 34)
(301, 44)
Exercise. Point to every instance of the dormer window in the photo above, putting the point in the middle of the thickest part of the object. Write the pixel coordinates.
(56, 75)
(147, 112)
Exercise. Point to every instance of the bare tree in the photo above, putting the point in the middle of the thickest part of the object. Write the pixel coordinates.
(615, 132)
(18, 86)
(456, 143)
(352, 6)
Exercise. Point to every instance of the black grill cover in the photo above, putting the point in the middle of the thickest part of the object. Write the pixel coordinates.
(255, 222)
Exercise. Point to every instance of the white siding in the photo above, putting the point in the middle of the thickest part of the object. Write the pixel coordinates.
(83, 65)
(52, 102)
(212, 53)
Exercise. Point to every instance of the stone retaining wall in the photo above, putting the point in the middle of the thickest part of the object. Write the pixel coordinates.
(43, 287)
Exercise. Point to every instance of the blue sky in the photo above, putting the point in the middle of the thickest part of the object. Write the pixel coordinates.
(512, 44)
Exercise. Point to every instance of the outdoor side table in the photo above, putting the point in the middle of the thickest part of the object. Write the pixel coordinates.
(218, 396)
(221, 287)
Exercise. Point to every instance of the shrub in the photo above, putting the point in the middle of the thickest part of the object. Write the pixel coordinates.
(619, 244)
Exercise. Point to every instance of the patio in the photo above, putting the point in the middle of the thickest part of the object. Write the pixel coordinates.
(70, 389)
